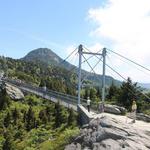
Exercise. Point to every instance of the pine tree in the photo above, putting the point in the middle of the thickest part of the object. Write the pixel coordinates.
(15, 115)
(30, 118)
(87, 93)
(93, 94)
(99, 93)
(7, 120)
(58, 115)
(43, 116)
(48, 112)
(42, 83)
(8, 144)
(71, 118)
(128, 92)
(4, 99)
(112, 91)
(24, 116)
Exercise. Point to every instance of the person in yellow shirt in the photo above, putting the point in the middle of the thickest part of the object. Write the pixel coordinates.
(134, 108)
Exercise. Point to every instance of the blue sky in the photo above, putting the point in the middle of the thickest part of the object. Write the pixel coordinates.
(61, 25)
(56, 24)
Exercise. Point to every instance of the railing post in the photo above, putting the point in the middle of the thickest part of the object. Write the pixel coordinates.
(80, 48)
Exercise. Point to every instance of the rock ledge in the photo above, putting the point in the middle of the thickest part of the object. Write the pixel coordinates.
(107, 133)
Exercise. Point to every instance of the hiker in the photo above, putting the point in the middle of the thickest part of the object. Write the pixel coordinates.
(101, 107)
(88, 104)
(134, 108)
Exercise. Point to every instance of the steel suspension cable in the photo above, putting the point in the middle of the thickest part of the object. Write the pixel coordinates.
(116, 72)
(70, 54)
(84, 60)
(129, 60)
(143, 71)
(89, 64)
(91, 70)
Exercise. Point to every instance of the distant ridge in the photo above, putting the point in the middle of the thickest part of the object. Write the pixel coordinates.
(144, 85)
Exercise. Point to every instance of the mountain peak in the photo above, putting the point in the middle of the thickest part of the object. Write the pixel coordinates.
(42, 51)
(47, 57)
(43, 55)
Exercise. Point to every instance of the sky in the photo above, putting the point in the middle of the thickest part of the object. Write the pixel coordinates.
(61, 25)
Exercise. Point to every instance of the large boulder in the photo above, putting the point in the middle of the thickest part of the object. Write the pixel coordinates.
(144, 117)
(107, 133)
(114, 109)
(14, 92)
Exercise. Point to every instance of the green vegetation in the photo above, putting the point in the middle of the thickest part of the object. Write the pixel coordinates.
(125, 94)
(35, 123)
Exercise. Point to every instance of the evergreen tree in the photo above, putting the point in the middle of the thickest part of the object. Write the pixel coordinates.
(58, 115)
(8, 144)
(15, 115)
(112, 91)
(71, 118)
(24, 116)
(87, 93)
(7, 120)
(99, 93)
(30, 118)
(4, 99)
(42, 83)
(48, 112)
(43, 116)
(128, 92)
(93, 94)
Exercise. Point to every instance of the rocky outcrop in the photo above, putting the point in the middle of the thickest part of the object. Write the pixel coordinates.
(12, 91)
(141, 116)
(107, 133)
(114, 109)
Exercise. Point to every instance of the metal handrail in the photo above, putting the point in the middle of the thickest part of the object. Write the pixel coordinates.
(61, 96)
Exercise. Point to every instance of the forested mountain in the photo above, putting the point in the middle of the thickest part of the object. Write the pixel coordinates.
(55, 78)
(48, 57)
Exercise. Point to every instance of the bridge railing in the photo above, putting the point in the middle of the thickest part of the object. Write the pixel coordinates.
(54, 94)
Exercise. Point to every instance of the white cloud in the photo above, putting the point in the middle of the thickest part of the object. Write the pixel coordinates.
(126, 25)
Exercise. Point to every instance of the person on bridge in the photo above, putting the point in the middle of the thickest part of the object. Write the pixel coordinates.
(88, 104)
(134, 108)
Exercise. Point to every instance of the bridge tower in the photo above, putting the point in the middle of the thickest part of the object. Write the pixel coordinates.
(103, 54)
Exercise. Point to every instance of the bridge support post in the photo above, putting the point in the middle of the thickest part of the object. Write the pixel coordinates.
(103, 82)
(80, 48)
(103, 54)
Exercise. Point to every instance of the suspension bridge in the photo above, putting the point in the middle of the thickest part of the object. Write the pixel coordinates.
(69, 101)
(78, 103)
